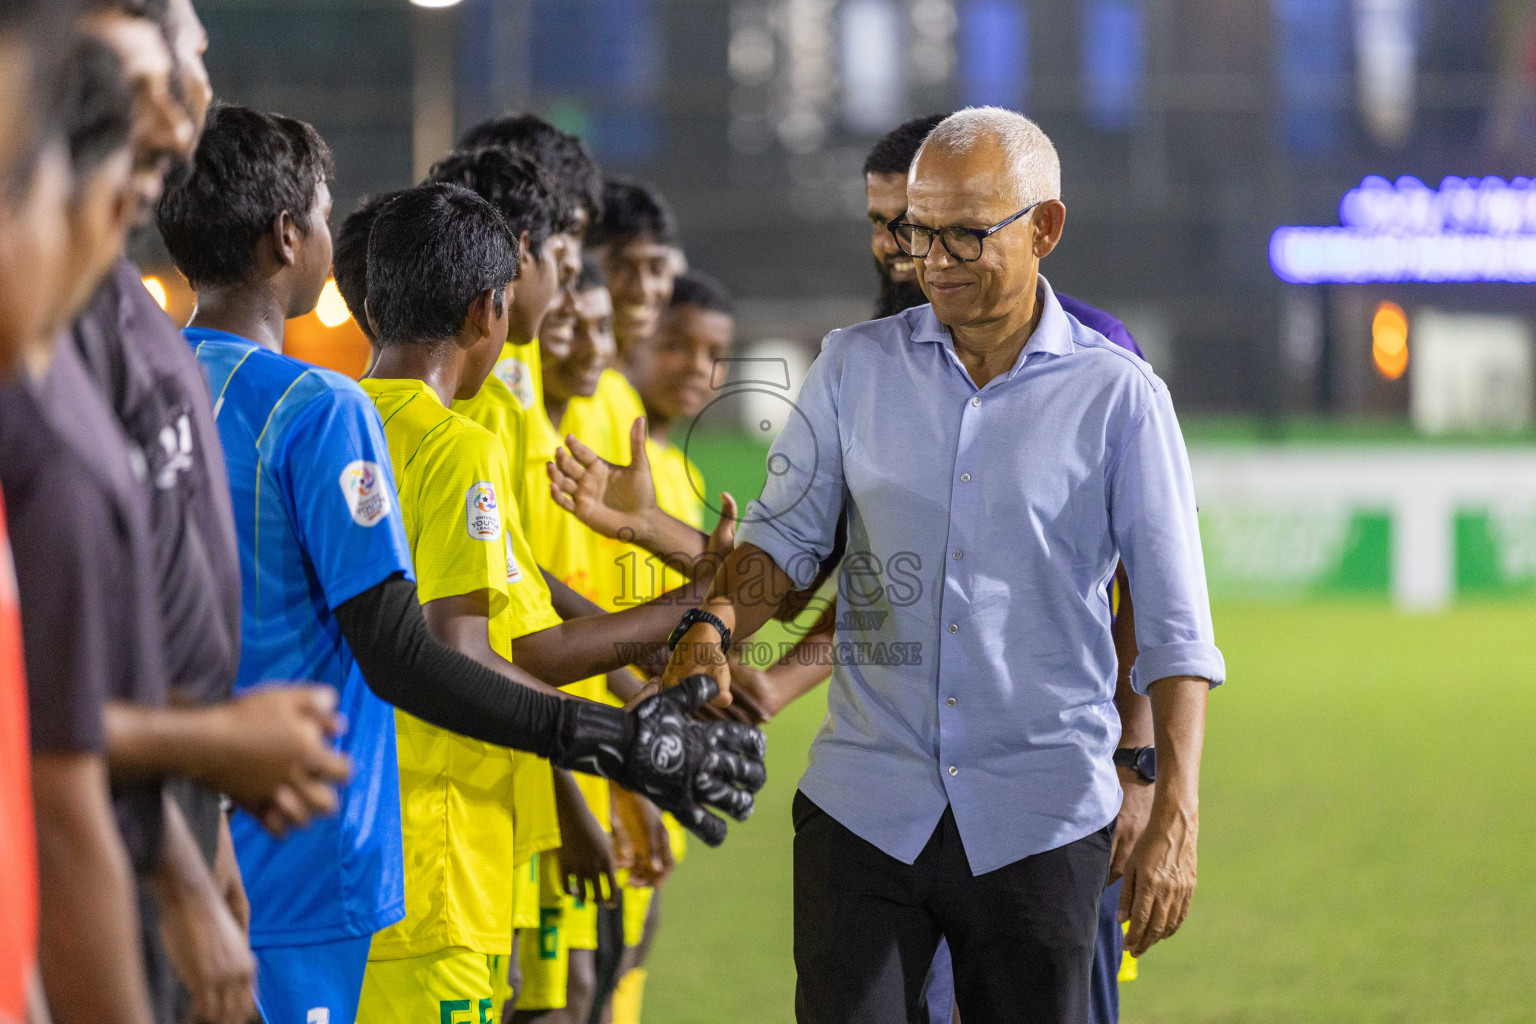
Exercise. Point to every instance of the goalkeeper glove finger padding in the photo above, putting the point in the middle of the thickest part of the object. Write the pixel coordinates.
(662, 752)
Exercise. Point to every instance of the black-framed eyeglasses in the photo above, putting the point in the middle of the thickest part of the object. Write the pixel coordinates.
(964, 244)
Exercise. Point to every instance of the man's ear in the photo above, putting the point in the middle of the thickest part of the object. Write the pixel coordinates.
(482, 316)
(285, 239)
(373, 325)
(524, 253)
(1049, 220)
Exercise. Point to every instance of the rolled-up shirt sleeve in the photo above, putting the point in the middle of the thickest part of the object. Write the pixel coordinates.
(1155, 525)
(794, 520)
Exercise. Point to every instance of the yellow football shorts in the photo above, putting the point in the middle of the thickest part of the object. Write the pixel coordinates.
(525, 894)
(637, 907)
(542, 952)
(451, 986)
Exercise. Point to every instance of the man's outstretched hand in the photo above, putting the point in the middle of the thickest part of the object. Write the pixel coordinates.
(662, 752)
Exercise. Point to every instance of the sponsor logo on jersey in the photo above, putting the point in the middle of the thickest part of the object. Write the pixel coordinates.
(514, 571)
(481, 515)
(514, 373)
(362, 484)
(175, 455)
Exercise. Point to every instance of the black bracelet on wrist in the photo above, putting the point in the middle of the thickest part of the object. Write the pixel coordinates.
(696, 615)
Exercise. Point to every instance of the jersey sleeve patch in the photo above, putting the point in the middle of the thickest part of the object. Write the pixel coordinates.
(514, 373)
(363, 485)
(481, 514)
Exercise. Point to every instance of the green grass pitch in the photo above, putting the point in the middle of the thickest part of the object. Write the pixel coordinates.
(1367, 839)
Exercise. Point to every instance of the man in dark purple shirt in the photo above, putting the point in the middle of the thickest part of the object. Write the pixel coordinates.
(885, 182)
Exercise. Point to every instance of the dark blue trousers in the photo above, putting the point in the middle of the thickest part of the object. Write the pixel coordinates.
(1104, 998)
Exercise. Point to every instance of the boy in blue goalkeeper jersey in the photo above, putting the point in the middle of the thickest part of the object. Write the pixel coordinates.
(328, 591)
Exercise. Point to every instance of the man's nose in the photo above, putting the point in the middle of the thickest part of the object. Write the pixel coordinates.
(938, 256)
(168, 129)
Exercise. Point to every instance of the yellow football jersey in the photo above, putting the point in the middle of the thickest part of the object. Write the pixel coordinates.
(679, 485)
(567, 549)
(512, 396)
(605, 417)
(624, 574)
(456, 795)
(603, 422)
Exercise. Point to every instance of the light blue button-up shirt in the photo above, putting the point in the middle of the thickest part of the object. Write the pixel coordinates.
(975, 663)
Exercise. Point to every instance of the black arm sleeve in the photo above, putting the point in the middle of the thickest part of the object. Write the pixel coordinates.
(404, 664)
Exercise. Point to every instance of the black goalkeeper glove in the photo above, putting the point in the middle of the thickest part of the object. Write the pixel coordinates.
(661, 752)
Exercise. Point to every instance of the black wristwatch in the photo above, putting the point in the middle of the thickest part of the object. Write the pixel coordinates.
(1142, 760)
(694, 615)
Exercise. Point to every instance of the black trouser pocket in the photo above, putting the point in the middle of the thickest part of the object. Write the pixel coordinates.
(803, 810)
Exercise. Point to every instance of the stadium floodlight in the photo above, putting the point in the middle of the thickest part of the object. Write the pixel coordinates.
(156, 289)
(332, 308)
(436, 3)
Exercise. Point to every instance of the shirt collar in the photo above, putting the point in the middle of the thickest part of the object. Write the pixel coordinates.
(1053, 334)
(401, 385)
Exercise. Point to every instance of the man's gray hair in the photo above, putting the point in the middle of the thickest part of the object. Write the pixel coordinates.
(1033, 165)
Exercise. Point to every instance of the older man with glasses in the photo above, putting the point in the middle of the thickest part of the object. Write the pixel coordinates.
(995, 459)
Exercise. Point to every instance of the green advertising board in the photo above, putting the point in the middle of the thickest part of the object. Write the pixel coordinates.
(1496, 552)
(1269, 553)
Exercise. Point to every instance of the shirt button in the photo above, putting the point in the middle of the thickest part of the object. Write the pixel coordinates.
(965, 478)
(976, 400)
(954, 627)
(953, 770)
(950, 702)
(959, 553)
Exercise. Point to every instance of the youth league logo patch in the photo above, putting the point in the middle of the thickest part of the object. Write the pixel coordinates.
(515, 375)
(362, 484)
(481, 514)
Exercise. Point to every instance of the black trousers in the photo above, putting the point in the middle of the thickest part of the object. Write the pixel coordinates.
(867, 926)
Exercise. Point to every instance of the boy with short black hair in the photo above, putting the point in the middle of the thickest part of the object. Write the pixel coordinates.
(564, 157)
(441, 261)
(349, 257)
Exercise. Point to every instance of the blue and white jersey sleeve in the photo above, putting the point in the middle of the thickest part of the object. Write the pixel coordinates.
(337, 481)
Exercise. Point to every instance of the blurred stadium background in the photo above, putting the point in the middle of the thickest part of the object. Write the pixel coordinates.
(1316, 216)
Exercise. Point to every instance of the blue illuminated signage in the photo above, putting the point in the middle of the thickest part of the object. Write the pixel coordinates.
(1469, 229)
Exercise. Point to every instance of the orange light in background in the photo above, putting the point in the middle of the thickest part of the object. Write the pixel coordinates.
(156, 289)
(1389, 340)
(332, 308)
